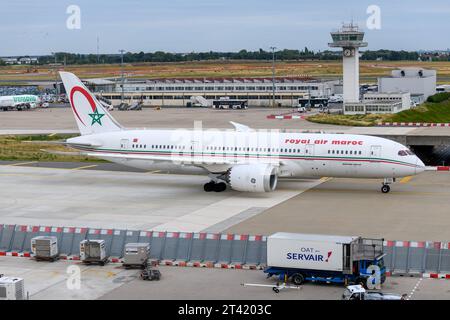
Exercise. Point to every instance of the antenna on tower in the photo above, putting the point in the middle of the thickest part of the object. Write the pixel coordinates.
(98, 46)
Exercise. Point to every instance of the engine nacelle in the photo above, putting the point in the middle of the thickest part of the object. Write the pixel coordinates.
(253, 177)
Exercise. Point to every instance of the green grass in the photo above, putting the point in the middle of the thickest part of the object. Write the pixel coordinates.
(428, 112)
(18, 148)
(363, 120)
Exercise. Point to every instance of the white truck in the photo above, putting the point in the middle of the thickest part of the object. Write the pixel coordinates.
(357, 292)
(324, 258)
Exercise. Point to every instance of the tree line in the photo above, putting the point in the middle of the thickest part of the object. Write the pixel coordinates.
(281, 55)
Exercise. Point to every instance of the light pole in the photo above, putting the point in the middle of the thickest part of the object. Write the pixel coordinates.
(56, 75)
(121, 68)
(273, 75)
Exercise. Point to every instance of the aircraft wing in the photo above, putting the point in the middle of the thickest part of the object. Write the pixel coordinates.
(211, 163)
(240, 127)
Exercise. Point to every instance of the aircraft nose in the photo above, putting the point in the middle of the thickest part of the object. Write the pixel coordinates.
(420, 166)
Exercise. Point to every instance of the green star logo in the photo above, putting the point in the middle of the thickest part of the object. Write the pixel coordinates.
(96, 117)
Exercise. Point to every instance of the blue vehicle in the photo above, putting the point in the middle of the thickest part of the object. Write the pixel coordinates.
(323, 258)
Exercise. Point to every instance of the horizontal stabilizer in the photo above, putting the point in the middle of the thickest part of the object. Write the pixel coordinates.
(65, 143)
(62, 153)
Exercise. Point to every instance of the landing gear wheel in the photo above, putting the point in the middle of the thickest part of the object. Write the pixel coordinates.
(276, 290)
(219, 187)
(385, 188)
(208, 187)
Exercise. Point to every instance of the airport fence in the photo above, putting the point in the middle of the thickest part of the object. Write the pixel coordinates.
(206, 249)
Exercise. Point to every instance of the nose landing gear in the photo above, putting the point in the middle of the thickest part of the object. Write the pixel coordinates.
(385, 188)
(215, 186)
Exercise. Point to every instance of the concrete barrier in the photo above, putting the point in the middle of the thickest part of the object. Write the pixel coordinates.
(412, 124)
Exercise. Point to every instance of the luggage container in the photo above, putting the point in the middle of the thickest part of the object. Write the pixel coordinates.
(45, 248)
(136, 255)
(93, 251)
(11, 288)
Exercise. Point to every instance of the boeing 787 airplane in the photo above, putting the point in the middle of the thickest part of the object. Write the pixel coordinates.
(242, 159)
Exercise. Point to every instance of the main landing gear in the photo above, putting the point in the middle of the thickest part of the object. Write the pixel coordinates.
(215, 186)
(385, 188)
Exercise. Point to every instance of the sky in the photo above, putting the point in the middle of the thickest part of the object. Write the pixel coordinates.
(30, 27)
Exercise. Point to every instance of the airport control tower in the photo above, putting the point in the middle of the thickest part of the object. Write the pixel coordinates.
(350, 39)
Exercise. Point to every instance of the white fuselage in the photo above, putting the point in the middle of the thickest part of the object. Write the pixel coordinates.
(301, 155)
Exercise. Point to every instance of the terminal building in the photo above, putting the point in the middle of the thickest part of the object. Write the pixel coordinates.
(380, 103)
(178, 92)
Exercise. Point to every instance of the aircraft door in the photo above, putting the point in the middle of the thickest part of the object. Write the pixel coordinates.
(375, 151)
(309, 150)
(196, 154)
(124, 144)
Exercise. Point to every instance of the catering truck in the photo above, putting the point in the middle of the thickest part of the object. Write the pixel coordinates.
(324, 258)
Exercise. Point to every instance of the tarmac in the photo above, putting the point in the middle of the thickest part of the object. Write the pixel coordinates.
(60, 280)
(105, 195)
(417, 208)
(83, 197)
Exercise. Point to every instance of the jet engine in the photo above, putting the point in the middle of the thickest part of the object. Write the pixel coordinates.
(252, 177)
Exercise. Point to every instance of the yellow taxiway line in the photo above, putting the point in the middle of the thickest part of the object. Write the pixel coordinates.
(406, 179)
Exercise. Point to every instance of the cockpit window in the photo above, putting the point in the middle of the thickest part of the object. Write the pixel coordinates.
(406, 152)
